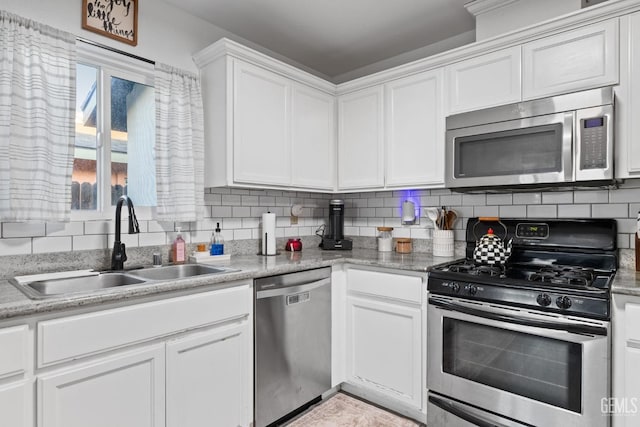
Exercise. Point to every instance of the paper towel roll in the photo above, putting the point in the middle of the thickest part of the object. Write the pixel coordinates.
(268, 233)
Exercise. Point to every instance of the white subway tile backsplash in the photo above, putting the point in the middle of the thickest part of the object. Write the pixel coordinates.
(19, 246)
(73, 228)
(372, 202)
(221, 211)
(231, 200)
(474, 199)
(392, 202)
(401, 232)
(610, 210)
(574, 211)
(592, 196)
(212, 199)
(368, 231)
(519, 211)
(634, 210)
(624, 241)
(527, 198)
(627, 225)
(451, 200)
(132, 241)
(266, 201)
(384, 212)
(499, 199)
(89, 242)
(159, 227)
(430, 201)
(232, 223)
(542, 211)
(23, 229)
(102, 227)
(419, 233)
(241, 211)
(625, 195)
(556, 198)
(254, 222)
(251, 201)
(242, 234)
(51, 244)
(486, 211)
(157, 239)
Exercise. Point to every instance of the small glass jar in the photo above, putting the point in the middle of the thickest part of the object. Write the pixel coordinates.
(403, 245)
(385, 239)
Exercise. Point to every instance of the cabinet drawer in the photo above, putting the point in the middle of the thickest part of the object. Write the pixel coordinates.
(13, 350)
(89, 333)
(632, 323)
(389, 285)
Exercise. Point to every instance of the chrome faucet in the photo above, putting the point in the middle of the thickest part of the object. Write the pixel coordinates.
(119, 256)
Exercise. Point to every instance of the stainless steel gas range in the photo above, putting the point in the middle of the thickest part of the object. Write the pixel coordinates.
(526, 343)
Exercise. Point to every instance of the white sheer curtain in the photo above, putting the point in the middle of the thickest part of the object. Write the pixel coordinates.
(37, 131)
(179, 145)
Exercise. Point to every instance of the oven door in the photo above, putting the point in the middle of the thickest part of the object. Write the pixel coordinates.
(538, 369)
(536, 150)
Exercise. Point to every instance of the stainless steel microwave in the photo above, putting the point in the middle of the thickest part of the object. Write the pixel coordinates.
(563, 139)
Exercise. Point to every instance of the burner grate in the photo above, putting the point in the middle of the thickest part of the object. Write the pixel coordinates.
(564, 275)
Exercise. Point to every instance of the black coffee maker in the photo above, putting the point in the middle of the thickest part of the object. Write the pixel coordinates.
(333, 238)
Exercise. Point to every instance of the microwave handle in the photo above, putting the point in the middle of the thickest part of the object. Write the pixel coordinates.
(546, 324)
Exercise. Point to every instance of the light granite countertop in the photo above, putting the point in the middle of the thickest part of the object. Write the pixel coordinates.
(14, 303)
(626, 282)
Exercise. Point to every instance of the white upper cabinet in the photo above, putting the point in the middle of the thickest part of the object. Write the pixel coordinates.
(267, 124)
(260, 126)
(414, 124)
(313, 138)
(571, 61)
(484, 81)
(627, 130)
(361, 139)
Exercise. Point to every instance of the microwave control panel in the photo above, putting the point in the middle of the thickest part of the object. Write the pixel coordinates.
(593, 143)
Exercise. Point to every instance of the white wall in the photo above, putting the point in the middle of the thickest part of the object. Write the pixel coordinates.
(165, 34)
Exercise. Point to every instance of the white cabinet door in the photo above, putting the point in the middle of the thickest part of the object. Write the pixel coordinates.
(627, 132)
(361, 139)
(125, 391)
(313, 138)
(384, 348)
(484, 81)
(261, 113)
(210, 378)
(414, 124)
(16, 404)
(575, 60)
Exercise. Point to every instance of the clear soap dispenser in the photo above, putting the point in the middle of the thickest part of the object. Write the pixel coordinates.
(217, 242)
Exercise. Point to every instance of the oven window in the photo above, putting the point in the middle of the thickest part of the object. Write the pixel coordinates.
(543, 369)
(532, 150)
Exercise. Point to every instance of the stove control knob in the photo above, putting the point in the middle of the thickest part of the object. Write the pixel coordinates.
(563, 302)
(544, 300)
(472, 289)
(455, 287)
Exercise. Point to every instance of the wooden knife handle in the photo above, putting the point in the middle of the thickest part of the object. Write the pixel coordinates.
(489, 218)
(637, 252)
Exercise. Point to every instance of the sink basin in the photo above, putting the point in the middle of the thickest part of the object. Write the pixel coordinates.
(179, 271)
(80, 284)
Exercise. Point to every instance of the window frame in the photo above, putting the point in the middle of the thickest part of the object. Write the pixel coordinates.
(109, 64)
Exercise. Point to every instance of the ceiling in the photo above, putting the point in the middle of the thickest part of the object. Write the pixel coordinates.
(336, 36)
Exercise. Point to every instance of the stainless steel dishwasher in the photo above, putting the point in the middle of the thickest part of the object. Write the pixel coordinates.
(292, 342)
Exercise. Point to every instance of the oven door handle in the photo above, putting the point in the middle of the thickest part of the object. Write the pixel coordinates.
(461, 413)
(546, 324)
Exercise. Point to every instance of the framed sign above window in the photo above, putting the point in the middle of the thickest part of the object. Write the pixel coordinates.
(117, 19)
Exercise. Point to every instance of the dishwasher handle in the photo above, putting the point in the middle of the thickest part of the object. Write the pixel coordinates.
(292, 290)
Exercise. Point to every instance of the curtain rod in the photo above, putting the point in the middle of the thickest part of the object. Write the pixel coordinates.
(113, 49)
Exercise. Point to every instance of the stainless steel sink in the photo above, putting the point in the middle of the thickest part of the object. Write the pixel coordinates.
(182, 271)
(80, 284)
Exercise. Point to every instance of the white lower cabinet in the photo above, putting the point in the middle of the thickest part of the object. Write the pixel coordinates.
(16, 404)
(124, 391)
(625, 405)
(385, 342)
(208, 380)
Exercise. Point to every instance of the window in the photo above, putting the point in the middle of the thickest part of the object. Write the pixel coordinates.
(115, 132)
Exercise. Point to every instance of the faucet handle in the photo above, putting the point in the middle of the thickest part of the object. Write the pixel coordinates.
(134, 227)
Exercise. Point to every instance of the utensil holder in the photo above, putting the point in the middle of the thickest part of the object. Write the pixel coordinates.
(443, 243)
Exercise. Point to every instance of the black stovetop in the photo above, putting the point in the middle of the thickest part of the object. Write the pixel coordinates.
(563, 262)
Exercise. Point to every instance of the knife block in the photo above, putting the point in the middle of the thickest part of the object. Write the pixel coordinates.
(637, 252)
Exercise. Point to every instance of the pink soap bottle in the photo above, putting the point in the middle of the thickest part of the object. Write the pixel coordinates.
(179, 249)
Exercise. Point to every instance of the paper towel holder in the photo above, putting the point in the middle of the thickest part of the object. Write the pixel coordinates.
(263, 248)
(409, 216)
